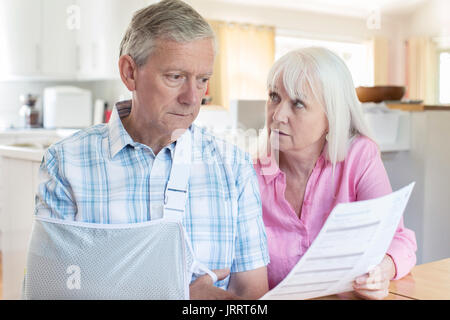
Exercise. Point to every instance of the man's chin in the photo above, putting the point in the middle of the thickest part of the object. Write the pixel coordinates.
(178, 131)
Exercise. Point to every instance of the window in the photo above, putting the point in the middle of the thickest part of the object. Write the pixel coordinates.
(444, 77)
(357, 56)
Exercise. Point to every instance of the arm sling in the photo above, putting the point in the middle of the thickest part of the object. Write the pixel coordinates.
(148, 260)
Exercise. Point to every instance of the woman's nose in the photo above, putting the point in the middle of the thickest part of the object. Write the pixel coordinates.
(281, 113)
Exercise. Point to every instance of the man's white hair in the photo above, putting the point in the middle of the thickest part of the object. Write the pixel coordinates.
(331, 83)
(165, 20)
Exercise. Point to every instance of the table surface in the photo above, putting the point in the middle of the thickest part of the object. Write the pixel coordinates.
(429, 281)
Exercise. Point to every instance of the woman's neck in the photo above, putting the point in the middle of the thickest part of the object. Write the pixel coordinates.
(300, 163)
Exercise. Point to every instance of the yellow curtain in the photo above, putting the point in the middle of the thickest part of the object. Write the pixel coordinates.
(422, 69)
(381, 58)
(245, 55)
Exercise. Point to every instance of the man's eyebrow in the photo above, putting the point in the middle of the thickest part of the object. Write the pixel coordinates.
(176, 69)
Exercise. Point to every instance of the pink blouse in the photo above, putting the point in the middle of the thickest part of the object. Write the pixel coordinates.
(361, 176)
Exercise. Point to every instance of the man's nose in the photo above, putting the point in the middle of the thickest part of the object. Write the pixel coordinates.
(189, 95)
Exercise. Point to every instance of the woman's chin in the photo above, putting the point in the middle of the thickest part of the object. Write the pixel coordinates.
(279, 143)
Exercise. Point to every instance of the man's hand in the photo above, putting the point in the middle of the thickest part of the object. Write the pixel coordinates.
(375, 284)
(203, 289)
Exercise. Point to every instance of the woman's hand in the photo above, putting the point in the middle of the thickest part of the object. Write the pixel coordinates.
(375, 284)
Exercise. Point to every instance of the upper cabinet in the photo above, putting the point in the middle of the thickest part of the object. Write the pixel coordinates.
(63, 39)
(20, 38)
(103, 24)
(58, 46)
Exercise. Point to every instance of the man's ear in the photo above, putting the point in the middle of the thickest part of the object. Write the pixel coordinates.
(128, 69)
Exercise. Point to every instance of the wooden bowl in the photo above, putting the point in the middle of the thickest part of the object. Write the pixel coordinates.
(380, 93)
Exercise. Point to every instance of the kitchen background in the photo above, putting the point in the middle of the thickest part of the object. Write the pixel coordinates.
(75, 43)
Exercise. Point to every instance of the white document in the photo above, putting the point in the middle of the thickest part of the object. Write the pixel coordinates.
(353, 240)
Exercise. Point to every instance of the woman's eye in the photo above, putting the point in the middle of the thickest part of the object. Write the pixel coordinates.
(299, 104)
(274, 97)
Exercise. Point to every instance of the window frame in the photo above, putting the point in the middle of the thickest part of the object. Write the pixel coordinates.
(438, 89)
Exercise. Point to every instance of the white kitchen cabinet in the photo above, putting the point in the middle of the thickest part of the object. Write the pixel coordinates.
(103, 24)
(88, 37)
(427, 163)
(19, 169)
(59, 50)
(37, 42)
(20, 38)
(20, 183)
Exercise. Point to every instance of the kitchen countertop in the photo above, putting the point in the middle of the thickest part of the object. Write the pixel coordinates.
(418, 106)
(36, 131)
(22, 153)
(30, 144)
(439, 107)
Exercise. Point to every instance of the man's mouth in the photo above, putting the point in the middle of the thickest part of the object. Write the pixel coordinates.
(180, 114)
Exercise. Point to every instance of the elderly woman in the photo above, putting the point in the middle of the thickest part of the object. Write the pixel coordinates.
(319, 154)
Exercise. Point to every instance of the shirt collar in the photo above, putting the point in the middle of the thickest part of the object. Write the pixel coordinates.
(118, 136)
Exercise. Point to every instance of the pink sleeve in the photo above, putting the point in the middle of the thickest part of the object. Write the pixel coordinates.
(374, 182)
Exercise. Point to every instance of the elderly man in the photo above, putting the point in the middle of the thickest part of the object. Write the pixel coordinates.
(118, 172)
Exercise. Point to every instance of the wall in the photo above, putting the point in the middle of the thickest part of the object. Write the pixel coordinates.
(316, 25)
(430, 19)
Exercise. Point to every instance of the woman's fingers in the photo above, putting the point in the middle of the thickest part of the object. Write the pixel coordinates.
(375, 284)
(373, 281)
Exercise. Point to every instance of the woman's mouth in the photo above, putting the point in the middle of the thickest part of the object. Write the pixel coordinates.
(281, 133)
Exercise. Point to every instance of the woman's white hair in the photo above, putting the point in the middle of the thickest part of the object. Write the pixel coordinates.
(331, 83)
(166, 20)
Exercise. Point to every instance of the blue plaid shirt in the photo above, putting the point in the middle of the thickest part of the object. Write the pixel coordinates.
(100, 175)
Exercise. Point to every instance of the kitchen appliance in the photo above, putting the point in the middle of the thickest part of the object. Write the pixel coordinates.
(99, 111)
(67, 107)
(28, 113)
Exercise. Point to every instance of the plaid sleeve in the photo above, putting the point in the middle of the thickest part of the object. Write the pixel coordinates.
(53, 198)
(251, 242)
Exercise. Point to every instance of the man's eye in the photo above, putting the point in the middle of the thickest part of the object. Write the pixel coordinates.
(203, 81)
(175, 77)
